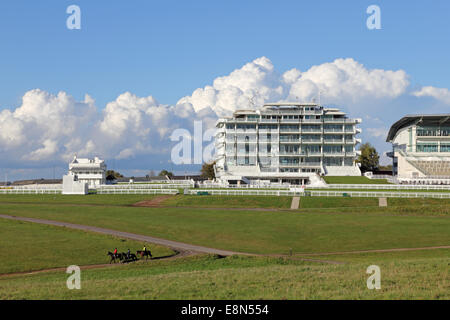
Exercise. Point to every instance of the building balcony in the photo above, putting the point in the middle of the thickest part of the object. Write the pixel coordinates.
(289, 131)
(437, 138)
(290, 153)
(244, 120)
(311, 120)
(269, 169)
(351, 154)
(333, 141)
(268, 130)
(289, 165)
(268, 120)
(312, 154)
(334, 131)
(244, 142)
(349, 121)
(290, 120)
(333, 153)
(311, 165)
(312, 141)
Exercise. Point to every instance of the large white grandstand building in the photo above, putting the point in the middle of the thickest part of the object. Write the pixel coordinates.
(421, 148)
(286, 142)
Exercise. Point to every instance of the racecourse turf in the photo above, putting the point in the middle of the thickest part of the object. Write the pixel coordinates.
(28, 246)
(420, 275)
(263, 232)
(322, 225)
(353, 180)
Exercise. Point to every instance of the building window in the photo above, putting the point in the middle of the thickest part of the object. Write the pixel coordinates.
(445, 147)
(429, 147)
(332, 161)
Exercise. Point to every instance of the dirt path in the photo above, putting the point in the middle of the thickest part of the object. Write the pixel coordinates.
(184, 249)
(154, 202)
(177, 246)
(177, 255)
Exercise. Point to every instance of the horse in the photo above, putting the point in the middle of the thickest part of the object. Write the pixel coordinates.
(133, 257)
(125, 258)
(145, 253)
(122, 256)
(112, 256)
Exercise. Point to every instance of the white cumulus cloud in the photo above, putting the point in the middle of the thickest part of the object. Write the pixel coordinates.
(55, 126)
(440, 94)
(257, 82)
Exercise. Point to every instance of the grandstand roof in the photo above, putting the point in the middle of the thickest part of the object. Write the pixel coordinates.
(431, 119)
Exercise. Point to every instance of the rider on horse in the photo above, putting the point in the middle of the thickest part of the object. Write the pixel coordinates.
(115, 252)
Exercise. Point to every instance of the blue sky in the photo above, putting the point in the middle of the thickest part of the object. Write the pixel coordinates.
(168, 49)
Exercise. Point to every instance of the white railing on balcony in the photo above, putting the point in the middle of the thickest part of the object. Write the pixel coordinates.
(311, 120)
(268, 120)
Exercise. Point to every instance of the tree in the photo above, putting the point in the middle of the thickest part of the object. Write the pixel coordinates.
(164, 173)
(112, 175)
(207, 170)
(369, 158)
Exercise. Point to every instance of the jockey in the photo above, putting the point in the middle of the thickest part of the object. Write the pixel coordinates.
(128, 253)
(115, 252)
(145, 248)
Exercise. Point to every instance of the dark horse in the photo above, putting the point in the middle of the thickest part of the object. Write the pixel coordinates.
(112, 256)
(125, 258)
(145, 254)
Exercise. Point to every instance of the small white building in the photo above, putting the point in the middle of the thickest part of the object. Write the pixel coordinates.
(90, 171)
(72, 186)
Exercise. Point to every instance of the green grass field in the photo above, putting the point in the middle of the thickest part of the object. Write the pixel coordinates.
(420, 275)
(261, 231)
(27, 246)
(353, 180)
(211, 201)
(89, 200)
(320, 225)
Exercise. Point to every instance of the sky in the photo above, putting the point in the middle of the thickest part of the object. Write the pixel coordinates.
(137, 70)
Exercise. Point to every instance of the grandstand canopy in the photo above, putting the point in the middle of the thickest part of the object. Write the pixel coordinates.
(424, 119)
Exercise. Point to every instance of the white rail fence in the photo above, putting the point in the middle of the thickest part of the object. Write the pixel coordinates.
(245, 186)
(359, 194)
(144, 186)
(244, 192)
(384, 186)
(29, 191)
(136, 191)
(378, 194)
